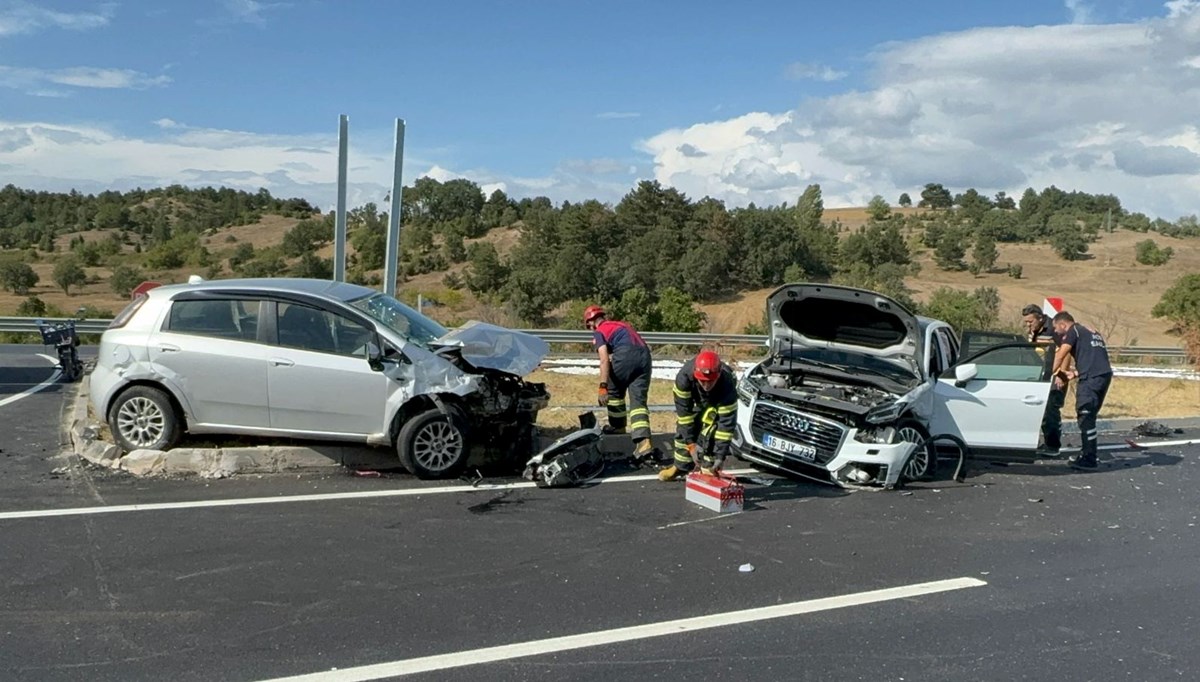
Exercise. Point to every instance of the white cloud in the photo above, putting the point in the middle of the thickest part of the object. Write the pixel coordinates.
(614, 115)
(1098, 108)
(23, 17)
(1081, 12)
(250, 11)
(800, 71)
(34, 81)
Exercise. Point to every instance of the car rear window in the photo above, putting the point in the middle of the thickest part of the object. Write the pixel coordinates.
(224, 318)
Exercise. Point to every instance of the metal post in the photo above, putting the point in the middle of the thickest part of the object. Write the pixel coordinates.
(339, 225)
(392, 264)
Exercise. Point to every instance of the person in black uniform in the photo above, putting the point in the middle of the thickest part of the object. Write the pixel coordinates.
(1040, 330)
(1093, 374)
(705, 415)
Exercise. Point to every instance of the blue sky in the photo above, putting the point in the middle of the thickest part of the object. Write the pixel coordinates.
(745, 101)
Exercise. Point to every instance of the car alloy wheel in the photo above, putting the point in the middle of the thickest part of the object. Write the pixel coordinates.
(437, 446)
(920, 463)
(141, 422)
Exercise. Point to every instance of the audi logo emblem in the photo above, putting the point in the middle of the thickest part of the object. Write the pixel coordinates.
(796, 423)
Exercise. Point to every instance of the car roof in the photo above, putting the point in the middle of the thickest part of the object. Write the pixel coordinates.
(339, 291)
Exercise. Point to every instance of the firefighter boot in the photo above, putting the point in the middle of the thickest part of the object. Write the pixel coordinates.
(644, 451)
(670, 473)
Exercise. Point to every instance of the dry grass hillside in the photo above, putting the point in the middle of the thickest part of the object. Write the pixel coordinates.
(1108, 290)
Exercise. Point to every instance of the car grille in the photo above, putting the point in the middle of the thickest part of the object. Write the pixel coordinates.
(797, 427)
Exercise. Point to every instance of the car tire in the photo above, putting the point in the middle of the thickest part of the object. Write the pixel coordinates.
(922, 463)
(144, 418)
(433, 444)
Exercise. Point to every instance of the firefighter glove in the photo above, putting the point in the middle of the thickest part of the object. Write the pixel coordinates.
(602, 398)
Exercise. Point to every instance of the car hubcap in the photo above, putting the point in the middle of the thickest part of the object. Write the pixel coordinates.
(919, 462)
(141, 422)
(437, 446)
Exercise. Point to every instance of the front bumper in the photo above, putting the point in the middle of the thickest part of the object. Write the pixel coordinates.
(839, 458)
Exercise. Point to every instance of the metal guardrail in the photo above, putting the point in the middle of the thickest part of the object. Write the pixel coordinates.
(28, 325)
(580, 336)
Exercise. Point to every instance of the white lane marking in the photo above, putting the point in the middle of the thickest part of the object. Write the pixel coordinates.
(42, 386)
(540, 647)
(688, 523)
(314, 497)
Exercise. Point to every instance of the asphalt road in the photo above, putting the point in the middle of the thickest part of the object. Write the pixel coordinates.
(1086, 576)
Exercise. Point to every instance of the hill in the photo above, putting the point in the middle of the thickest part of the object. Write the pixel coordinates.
(449, 227)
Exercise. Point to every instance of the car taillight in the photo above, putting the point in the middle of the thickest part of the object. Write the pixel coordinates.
(127, 314)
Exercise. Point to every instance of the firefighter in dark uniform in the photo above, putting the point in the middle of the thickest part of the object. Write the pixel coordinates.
(1040, 331)
(1093, 375)
(705, 415)
(624, 368)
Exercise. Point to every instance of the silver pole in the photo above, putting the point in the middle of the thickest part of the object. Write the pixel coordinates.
(339, 225)
(392, 263)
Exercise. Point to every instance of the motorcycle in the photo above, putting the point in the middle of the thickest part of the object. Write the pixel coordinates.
(62, 336)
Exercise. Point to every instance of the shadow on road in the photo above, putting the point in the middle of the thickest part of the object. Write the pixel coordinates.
(1109, 462)
(14, 380)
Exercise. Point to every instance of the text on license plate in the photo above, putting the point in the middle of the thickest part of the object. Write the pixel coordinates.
(802, 451)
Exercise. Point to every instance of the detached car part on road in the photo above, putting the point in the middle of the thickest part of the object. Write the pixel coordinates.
(317, 360)
(857, 389)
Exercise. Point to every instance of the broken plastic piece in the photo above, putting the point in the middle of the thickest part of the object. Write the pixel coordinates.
(746, 568)
(366, 473)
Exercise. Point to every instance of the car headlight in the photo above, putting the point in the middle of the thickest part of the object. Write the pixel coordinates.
(746, 391)
(883, 414)
(881, 436)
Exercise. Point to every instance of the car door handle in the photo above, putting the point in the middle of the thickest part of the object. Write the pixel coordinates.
(168, 348)
(1032, 400)
(282, 362)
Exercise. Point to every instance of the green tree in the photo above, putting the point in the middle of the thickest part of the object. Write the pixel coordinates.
(124, 278)
(1005, 202)
(905, 200)
(485, 273)
(306, 237)
(984, 253)
(878, 208)
(1068, 242)
(950, 250)
(1181, 303)
(33, 307)
(677, 313)
(313, 266)
(875, 245)
(18, 277)
(935, 196)
(637, 307)
(1149, 253)
(69, 273)
(972, 206)
(964, 310)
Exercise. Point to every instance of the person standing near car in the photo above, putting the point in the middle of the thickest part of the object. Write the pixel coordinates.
(705, 415)
(1093, 374)
(625, 366)
(1040, 330)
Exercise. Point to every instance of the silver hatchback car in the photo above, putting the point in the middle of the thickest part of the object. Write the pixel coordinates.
(320, 360)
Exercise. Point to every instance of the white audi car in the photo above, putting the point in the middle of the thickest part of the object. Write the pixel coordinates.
(857, 390)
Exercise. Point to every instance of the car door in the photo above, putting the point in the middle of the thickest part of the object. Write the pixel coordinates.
(318, 377)
(207, 350)
(1001, 406)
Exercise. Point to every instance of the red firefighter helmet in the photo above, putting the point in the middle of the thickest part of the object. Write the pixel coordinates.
(708, 366)
(591, 313)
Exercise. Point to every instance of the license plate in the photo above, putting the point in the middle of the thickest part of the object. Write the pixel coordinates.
(807, 452)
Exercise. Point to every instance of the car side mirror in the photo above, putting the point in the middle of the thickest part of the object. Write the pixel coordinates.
(374, 356)
(965, 373)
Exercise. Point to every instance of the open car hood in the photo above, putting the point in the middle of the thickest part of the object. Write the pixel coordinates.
(841, 318)
(491, 347)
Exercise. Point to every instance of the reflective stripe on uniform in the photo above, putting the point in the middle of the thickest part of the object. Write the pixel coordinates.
(724, 435)
(681, 394)
(727, 409)
(686, 420)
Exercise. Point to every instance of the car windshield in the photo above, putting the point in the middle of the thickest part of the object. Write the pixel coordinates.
(401, 319)
(853, 363)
